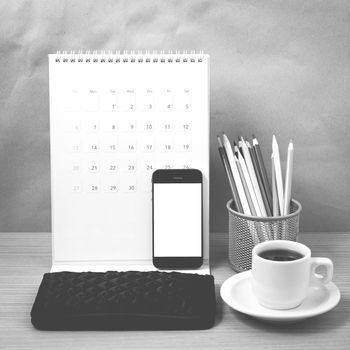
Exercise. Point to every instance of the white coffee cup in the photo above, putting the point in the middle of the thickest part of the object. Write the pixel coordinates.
(284, 284)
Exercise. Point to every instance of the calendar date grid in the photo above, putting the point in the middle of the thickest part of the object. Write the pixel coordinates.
(108, 125)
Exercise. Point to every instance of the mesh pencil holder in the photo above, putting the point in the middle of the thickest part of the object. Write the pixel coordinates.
(246, 231)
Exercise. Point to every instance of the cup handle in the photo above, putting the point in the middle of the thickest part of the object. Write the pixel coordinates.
(315, 263)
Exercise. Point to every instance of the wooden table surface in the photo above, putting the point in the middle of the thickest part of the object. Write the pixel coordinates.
(25, 257)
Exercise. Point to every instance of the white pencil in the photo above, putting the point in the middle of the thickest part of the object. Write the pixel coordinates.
(235, 174)
(245, 187)
(251, 170)
(249, 184)
(288, 179)
(278, 173)
(274, 189)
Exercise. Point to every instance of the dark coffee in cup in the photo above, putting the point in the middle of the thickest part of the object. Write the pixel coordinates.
(280, 255)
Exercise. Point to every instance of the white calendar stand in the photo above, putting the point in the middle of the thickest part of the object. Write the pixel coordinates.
(114, 119)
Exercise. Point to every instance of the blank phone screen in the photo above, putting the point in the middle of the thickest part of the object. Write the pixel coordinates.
(177, 219)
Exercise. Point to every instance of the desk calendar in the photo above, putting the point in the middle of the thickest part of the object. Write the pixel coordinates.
(114, 119)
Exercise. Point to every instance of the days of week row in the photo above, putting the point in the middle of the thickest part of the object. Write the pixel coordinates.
(130, 125)
(111, 144)
(128, 101)
(95, 166)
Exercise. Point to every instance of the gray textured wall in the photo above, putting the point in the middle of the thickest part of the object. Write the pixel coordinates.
(278, 67)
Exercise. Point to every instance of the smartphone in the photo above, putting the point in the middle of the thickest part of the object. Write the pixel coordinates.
(177, 213)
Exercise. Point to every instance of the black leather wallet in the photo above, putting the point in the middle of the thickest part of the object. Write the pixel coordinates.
(124, 301)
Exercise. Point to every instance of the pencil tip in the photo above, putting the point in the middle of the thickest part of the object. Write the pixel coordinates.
(254, 136)
(220, 142)
(234, 143)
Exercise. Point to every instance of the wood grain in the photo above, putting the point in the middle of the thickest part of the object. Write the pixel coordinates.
(25, 257)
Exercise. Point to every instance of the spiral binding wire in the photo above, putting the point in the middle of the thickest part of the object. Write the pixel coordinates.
(129, 56)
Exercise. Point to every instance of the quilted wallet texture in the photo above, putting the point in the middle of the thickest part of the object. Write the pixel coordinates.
(124, 300)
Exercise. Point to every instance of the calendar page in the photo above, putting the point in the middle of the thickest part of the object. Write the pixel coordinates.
(114, 119)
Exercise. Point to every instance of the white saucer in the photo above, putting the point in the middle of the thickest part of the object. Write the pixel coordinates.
(236, 292)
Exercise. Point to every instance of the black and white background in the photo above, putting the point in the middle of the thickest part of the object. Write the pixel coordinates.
(277, 67)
